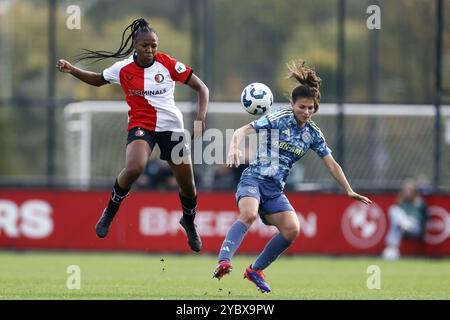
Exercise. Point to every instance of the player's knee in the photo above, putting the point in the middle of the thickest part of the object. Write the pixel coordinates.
(248, 217)
(291, 233)
(132, 172)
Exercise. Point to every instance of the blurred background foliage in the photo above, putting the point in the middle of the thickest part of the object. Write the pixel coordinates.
(251, 41)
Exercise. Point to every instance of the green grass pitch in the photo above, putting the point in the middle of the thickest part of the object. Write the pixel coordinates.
(43, 275)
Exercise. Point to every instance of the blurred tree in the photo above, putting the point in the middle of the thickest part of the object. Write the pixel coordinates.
(316, 45)
(29, 49)
(248, 42)
(407, 51)
(175, 11)
(251, 41)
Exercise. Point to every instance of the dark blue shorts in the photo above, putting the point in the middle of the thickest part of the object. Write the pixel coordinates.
(271, 198)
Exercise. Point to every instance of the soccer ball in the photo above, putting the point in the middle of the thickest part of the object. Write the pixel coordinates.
(256, 98)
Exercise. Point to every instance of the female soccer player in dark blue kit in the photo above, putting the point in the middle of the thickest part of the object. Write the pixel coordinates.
(260, 189)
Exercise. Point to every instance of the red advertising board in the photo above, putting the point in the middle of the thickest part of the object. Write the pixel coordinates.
(148, 221)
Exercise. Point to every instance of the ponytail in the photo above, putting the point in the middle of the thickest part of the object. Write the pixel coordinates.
(309, 82)
(125, 49)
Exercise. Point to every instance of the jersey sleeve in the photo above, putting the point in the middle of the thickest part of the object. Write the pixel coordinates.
(262, 123)
(111, 74)
(319, 145)
(178, 70)
(272, 120)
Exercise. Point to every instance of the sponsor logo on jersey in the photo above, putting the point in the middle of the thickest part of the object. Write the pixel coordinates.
(132, 92)
(159, 78)
(288, 147)
(180, 67)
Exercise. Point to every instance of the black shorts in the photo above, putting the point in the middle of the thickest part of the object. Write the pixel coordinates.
(173, 145)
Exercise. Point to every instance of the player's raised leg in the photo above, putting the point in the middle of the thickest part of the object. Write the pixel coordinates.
(183, 172)
(248, 208)
(137, 154)
(289, 227)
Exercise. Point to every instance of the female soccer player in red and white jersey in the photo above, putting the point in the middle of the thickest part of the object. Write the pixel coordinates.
(148, 79)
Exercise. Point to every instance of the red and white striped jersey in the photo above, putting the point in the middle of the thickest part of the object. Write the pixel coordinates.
(150, 91)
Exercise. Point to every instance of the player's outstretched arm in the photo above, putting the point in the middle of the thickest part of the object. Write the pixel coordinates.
(337, 172)
(203, 98)
(234, 153)
(92, 78)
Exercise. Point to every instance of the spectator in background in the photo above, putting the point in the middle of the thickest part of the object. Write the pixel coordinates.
(424, 186)
(157, 176)
(223, 178)
(226, 178)
(237, 171)
(408, 217)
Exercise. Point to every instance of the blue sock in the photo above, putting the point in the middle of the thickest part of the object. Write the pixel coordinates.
(232, 240)
(273, 249)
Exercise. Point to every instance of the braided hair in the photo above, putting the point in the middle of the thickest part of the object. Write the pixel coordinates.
(136, 27)
(309, 82)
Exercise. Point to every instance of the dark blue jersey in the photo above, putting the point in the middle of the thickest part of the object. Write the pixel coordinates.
(281, 143)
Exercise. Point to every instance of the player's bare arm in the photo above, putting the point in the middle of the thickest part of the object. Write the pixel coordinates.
(203, 97)
(336, 171)
(234, 153)
(92, 78)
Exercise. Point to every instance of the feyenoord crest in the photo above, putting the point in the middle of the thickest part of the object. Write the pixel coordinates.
(159, 78)
(139, 133)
